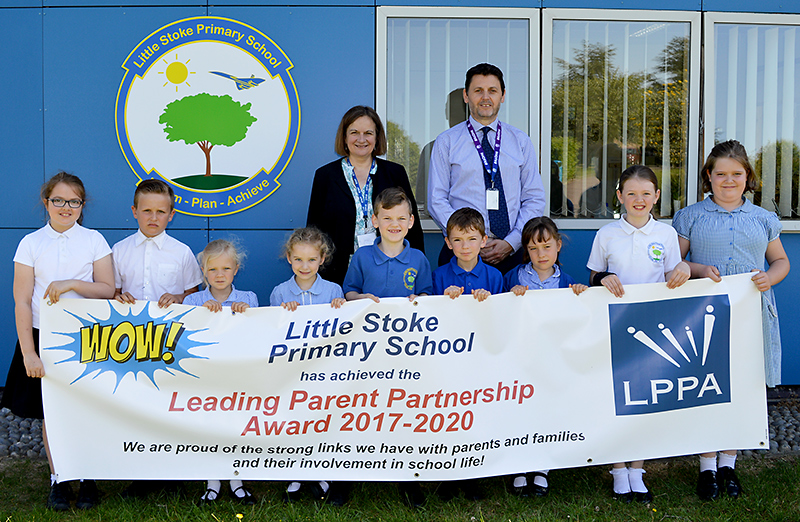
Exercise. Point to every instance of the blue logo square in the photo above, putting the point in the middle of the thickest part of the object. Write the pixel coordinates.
(670, 355)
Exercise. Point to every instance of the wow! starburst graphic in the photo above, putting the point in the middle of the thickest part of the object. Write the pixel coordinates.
(671, 354)
(133, 343)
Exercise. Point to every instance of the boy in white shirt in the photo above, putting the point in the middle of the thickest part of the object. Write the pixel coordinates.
(149, 264)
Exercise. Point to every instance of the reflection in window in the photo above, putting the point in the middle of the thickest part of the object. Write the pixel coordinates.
(757, 74)
(620, 96)
(427, 59)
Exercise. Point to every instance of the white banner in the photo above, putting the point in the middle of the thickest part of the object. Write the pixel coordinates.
(432, 390)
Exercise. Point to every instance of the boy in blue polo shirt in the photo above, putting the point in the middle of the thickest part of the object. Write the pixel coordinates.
(466, 271)
(389, 267)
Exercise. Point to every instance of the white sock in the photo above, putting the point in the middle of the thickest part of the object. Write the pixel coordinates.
(213, 485)
(708, 464)
(520, 481)
(635, 477)
(324, 485)
(235, 485)
(622, 483)
(53, 478)
(292, 487)
(541, 481)
(727, 460)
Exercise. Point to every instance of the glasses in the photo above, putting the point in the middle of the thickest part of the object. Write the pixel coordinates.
(59, 203)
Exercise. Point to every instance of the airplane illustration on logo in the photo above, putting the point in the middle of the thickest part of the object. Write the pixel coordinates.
(241, 83)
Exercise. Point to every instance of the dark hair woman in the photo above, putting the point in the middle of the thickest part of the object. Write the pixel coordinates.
(343, 190)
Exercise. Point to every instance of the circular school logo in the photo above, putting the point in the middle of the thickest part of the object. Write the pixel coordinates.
(409, 277)
(656, 252)
(208, 105)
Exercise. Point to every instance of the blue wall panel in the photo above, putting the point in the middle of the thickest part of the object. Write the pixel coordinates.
(463, 3)
(294, 3)
(21, 139)
(676, 5)
(123, 3)
(332, 71)
(83, 52)
(9, 239)
(789, 311)
(264, 267)
(748, 6)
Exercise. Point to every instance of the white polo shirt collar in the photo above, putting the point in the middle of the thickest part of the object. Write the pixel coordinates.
(54, 234)
(630, 229)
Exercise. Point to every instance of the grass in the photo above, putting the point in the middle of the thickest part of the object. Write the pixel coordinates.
(772, 487)
(212, 182)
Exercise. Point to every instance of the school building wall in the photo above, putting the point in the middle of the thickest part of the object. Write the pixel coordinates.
(58, 92)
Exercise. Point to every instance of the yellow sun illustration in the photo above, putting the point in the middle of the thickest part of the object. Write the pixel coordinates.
(177, 72)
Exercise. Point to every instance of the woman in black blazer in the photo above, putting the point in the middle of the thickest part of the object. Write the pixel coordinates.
(333, 208)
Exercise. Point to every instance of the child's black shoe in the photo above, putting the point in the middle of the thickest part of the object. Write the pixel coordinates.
(728, 482)
(707, 488)
(58, 500)
(87, 495)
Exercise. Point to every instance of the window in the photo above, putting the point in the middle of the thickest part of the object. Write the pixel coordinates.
(423, 61)
(752, 74)
(617, 91)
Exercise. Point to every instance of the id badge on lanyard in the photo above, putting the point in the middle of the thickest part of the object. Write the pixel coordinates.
(366, 239)
(492, 199)
(492, 193)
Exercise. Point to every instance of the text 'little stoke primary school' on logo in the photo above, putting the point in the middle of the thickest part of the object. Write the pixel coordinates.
(208, 105)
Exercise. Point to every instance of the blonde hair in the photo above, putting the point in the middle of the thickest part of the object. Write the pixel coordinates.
(219, 247)
(312, 236)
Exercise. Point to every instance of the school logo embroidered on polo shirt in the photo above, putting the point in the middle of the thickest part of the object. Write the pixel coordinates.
(655, 251)
(208, 105)
(409, 277)
(670, 355)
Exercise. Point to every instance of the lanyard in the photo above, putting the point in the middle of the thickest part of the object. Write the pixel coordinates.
(363, 195)
(493, 170)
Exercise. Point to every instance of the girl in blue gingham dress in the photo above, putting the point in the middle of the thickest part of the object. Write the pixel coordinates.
(726, 234)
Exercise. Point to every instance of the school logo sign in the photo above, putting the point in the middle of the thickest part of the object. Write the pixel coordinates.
(208, 105)
(670, 355)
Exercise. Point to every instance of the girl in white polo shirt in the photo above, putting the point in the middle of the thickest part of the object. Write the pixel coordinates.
(61, 259)
(636, 249)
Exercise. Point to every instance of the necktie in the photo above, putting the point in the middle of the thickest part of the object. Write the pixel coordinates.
(498, 219)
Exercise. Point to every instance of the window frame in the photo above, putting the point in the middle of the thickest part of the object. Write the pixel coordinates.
(620, 15)
(531, 15)
(710, 21)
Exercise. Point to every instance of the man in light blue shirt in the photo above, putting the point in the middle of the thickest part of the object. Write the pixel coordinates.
(474, 165)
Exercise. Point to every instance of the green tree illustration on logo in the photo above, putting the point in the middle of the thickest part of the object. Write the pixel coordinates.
(207, 120)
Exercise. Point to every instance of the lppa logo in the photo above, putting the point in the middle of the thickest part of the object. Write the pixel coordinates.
(670, 355)
(208, 104)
